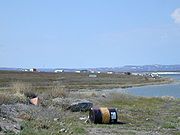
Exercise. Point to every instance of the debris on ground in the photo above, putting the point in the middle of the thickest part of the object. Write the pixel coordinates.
(81, 105)
(34, 101)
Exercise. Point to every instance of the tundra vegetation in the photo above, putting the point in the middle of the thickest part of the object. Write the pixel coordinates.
(137, 115)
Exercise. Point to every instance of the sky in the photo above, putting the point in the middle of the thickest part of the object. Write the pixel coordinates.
(89, 33)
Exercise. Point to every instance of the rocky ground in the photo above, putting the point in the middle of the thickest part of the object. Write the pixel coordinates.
(62, 109)
(138, 116)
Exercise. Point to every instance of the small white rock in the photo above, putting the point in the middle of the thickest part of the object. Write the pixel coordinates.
(83, 118)
(104, 95)
(62, 130)
(56, 119)
(147, 119)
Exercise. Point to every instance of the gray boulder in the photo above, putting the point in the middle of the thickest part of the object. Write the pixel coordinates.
(81, 105)
(8, 120)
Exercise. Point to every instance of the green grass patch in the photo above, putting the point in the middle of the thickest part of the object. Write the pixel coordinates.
(168, 125)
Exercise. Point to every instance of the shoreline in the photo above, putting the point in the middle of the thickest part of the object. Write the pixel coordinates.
(124, 90)
(125, 86)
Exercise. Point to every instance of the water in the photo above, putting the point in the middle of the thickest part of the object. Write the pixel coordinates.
(158, 90)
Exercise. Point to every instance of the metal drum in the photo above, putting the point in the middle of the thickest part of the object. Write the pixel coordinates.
(103, 115)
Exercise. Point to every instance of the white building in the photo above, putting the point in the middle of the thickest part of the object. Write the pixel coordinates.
(25, 70)
(33, 70)
(78, 71)
(92, 76)
(92, 71)
(59, 71)
(109, 72)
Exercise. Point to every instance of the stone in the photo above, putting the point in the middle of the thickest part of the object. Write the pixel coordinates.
(62, 130)
(10, 126)
(81, 105)
(83, 118)
(169, 98)
(104, 95)
(56, 119)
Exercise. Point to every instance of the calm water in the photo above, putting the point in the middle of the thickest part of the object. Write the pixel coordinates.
(158, 90)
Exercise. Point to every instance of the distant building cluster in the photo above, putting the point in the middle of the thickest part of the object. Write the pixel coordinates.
(59, 71)
(93, 73)
(33, 70)
(30, 70)
(87, 71)
(152, 75)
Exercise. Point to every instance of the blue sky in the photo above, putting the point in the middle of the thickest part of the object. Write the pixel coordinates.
(91, 33)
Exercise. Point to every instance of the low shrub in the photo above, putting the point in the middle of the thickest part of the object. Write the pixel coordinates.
(12, 98)
(58, 91)
(21, 87)
(4, 98)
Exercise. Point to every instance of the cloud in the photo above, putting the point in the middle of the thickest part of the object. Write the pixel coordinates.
(176, 15)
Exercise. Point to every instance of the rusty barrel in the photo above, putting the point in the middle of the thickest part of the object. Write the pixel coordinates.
(103, 115)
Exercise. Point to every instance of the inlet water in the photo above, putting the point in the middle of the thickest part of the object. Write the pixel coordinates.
(158, 90)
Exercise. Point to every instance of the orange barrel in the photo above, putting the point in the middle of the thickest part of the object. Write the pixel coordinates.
(103, 115)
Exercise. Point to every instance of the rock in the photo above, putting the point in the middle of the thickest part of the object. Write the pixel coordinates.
(17, 127)
(24, 116)
(104, 95)
(169, 98)
(56, 119)
(6, 126)
(82, 105)
(8, 120)
(61, 102)
(12, 115)
(83, 118)
(58, 100)
(87, 121)
(62, 130)
(147, 119)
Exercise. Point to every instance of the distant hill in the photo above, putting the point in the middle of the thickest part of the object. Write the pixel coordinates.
(146, 68)
(129, 68)
(10, 69)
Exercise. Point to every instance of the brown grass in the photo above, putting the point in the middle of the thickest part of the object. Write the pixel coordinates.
(75, 81)
(21, 87)
(58, 90)
(12, 98)
(4, 98)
